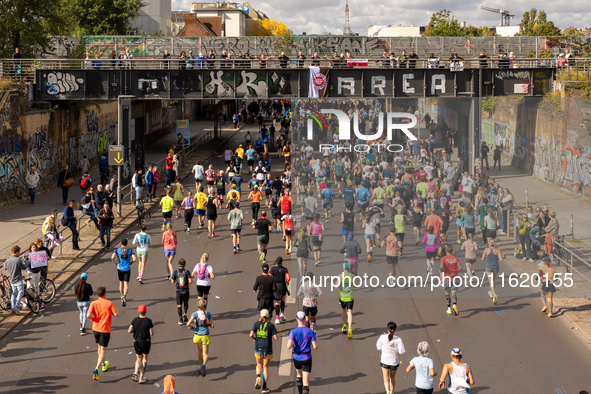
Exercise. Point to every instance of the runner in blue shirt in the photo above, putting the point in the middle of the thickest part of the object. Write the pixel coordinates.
(259, 145)
(302, 340)
(349, 193)
(362, 200)
(327, 193)
(250, 157)
(237, 180)
(123, 257)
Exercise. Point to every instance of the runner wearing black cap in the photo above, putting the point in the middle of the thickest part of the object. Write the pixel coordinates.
(282, 279)
(266, 287)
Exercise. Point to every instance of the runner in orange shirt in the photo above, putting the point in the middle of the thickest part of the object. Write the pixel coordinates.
(255, 198)
(434, 220)
(100, 312)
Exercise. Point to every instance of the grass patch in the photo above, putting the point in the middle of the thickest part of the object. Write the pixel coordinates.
(574, 240)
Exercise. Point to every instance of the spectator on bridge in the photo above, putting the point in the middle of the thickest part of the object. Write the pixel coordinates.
(129, 57)
(182, 60)
(166, 62)
(403, 60)
(283, 59)
(393, 60)
(570, 58)
(432, 62)
(210, 64)
(201, 63)
(301, 57)
(263, 60)
(96, 63)
(113, 63)
(412, 63)
(87, 62)
(190, 62)
(483, 62)
(16, 59)
(247, 63)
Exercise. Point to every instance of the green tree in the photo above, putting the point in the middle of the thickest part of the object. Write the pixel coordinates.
(536, 24)
(443, 24)
(105, 17)
(26, 24)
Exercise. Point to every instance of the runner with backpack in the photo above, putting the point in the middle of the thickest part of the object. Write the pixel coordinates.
(143, 242)
(203, 321)
(182, 279)
(204, 274)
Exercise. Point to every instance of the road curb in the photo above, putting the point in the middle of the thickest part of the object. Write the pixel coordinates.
(11, 322)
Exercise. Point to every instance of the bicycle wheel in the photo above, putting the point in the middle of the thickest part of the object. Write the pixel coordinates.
(145, 216)
(5, 293)
(47, 290)
(33, 304)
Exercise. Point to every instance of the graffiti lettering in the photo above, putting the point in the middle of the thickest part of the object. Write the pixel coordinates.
(58, 82)
(251, 85)
(217, 84)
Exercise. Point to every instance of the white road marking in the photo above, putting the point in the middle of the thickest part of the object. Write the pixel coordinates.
(285, 358)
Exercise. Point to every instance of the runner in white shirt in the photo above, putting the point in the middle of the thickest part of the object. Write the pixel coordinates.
(228, 156)
(198, 171)
(143, 242)
(391, 346)
(310, 302)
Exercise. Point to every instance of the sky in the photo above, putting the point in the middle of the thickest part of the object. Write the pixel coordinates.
(310, 15)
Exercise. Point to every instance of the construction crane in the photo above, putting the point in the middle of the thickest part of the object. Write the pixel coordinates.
(505, 15)
(347, 29)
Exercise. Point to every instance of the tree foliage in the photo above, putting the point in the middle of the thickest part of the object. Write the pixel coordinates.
(104, 17)
(443, 24)
(536, 24)
(271, 27)
(26, 24)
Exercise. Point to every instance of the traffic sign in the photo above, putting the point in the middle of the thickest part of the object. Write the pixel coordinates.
(115, 155)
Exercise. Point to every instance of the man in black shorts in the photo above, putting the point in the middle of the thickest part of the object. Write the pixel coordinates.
(264, 227)
(100, 312)
(302, 339)
(143, 330)
(266, 287)
(182, 279)
(275, 210)
(282, 279)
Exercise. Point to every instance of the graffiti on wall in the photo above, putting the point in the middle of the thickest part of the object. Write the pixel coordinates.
(12, 165)
(495, 133)
(44, 153)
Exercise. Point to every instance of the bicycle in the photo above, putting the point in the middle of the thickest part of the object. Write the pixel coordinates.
(47, 288)
(5, 291)
(31, 297)
(559, 248)
(143, 214)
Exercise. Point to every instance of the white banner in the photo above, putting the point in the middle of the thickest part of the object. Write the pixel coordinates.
(38, 259)
(456, 66)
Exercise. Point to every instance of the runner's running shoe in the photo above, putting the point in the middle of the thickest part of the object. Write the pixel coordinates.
(105, 366)
(545, 309)
(455, 309)
(257, 383)
(95, 375)
(349, 333)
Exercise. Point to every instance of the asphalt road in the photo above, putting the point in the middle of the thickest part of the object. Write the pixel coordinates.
(514, 349)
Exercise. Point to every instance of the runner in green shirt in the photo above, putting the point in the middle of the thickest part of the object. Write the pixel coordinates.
(346, 300)
(379, 193)
(482, 212)
(167, 203)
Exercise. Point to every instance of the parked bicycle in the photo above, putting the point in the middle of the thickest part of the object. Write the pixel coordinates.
(31, 298)
(5, 291)
(47, 288)
(143, 214)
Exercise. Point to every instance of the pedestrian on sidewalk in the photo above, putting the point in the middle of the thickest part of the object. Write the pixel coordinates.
(83, 291)
(65, 181)
(15, 266)
(302, 339)
(84, 165)
(142, 329)
(524, 239)
(85, 181)
(138, 185)
(106, 218)
(390, 346)
(89, 207)
(123, 257)
(149, 183)
(425, 370)
(263, 332)
(69, 219)
(460, 374)
(203, 322)
(497, 157)
(182, 278)
(100, 313)
(32, 180)
(155, 185)
(169, 240)
(143, 242)
(507, 206)
(169, 170)
(484, 150)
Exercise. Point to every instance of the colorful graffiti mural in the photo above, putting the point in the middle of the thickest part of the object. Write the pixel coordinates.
(12, 166)
(495, 133)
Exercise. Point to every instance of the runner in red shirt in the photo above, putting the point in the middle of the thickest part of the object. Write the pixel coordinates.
(285, 204)
(449, 265)
(434, 220)
(421, 176)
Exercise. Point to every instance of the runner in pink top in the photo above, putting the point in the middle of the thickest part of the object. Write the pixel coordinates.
(432, 244)
(470, 246)
(316, 229)
(169, 241)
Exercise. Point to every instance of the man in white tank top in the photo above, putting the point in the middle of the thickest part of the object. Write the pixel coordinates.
(459, 374)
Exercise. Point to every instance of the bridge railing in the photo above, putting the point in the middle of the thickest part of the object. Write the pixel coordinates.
(23, 70)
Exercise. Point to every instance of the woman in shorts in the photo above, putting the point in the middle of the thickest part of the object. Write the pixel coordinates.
(211, 207)
(470, 246)
(316, 229)
(263, 331)
(431, 241)
(469, 219)
(459, 222)
(170, 243)
(204, 274)
(492, 256)
(203, 322)
(417, 220)
(547, 290)
(310, 301)
(391, 346)
(302, 242)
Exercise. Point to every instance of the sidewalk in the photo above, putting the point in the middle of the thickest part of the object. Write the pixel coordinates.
(21, 224)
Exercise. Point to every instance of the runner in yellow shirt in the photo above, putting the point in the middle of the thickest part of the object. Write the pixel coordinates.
(240, 151)
(200, 199)
(167, 203)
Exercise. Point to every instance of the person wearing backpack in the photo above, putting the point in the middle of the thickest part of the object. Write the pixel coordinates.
(123, 258)
(203, 322)
(204, 274)
(143, 242)
(149, 181)
(85, 181)
(182, 279)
